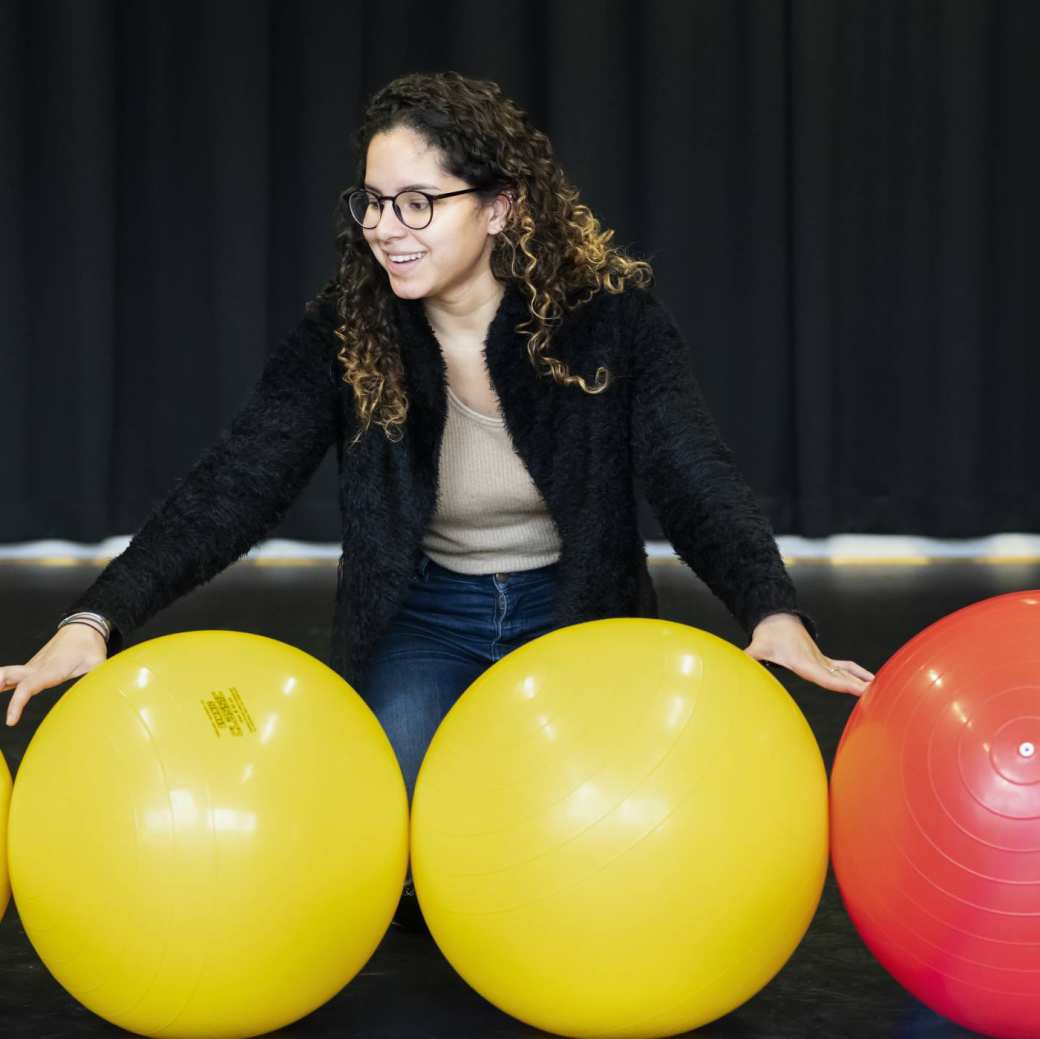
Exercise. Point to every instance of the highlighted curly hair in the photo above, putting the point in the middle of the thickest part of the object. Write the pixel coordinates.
(551, 244)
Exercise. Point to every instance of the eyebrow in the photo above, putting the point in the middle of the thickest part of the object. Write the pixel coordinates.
(407, 187)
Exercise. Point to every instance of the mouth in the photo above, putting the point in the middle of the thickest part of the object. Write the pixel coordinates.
(394, 264)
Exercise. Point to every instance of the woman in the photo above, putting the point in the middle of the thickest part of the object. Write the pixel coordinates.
(494, 375)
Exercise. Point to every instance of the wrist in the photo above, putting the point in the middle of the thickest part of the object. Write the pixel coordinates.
(778, 614)
(95, 621)
(804, 620)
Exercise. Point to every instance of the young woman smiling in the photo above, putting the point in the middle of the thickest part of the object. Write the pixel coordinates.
(493, 374)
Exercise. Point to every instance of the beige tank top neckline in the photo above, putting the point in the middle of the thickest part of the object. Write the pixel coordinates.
(479, 416)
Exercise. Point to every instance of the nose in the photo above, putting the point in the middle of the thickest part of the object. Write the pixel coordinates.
(395, 224)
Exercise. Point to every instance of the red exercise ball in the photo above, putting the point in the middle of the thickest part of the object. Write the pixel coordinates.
(935, 816)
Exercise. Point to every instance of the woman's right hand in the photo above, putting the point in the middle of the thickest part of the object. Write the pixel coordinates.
(73, 650)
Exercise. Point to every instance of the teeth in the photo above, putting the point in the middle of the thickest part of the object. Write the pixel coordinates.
(405, 259)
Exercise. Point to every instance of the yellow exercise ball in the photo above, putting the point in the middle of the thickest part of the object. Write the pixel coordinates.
(208, 836)
(5, 801)
(620, 829)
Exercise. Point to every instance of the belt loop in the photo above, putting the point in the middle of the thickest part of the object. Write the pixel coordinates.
(424, 565)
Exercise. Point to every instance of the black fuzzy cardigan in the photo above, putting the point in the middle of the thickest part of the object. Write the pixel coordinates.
(583, 453)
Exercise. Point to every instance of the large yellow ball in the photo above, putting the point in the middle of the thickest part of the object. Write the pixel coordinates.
(5, 801)
(208, 836)
(620, 829)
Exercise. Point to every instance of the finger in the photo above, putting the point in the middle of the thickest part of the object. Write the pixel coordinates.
(19, 698)
(840, 679)
(852, 668)
(12, 675)
(856, 686)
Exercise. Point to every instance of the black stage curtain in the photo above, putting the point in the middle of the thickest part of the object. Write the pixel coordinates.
(838, 198)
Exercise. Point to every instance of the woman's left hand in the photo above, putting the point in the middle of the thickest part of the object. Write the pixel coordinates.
(782, 638)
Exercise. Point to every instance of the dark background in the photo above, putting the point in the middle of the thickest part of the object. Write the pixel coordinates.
(838, 197)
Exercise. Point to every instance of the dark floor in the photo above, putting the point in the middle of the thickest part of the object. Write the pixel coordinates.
(831, 987)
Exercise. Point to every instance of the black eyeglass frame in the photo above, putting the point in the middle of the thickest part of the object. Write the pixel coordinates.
(392, 199)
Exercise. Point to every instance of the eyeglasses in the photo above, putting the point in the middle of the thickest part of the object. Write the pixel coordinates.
(413, 208)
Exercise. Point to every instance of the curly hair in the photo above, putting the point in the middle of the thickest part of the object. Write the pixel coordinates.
(551, 244)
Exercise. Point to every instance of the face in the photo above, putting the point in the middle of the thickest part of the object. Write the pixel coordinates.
(455, 247)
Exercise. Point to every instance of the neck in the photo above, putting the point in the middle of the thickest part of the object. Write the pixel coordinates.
(465, 314)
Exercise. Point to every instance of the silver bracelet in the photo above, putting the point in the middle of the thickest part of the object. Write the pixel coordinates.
(102, 625)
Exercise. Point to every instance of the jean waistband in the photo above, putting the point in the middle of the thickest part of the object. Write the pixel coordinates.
(428, 566)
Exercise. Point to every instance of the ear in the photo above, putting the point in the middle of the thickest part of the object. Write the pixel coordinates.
(499, 212)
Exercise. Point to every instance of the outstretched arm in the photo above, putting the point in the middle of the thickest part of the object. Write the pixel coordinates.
(706, 508)
(238, 489)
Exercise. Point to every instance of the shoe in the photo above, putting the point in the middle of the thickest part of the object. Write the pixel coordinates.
(408, 916)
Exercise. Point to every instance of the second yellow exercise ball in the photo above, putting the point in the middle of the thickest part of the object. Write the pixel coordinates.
(208, 836)
(5, 801)
(620, 829)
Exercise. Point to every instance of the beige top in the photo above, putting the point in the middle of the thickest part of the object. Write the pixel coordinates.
(489, 517)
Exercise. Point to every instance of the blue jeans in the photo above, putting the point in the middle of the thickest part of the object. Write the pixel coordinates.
(450, 629)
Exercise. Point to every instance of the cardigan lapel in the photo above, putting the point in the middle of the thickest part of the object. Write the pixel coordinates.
(425, 370)
(521, 394)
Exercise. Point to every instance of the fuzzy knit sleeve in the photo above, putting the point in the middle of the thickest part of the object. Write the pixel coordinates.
(705, 507)
(240, 486)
